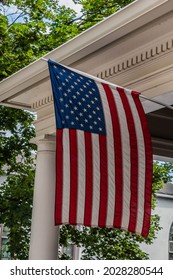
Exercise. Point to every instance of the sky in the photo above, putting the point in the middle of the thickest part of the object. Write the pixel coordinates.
(70, 4)
(67, 3)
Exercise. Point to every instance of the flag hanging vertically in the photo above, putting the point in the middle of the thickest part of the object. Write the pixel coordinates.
(103, 153)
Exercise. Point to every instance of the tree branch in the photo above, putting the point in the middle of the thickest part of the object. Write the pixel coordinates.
(20, 15)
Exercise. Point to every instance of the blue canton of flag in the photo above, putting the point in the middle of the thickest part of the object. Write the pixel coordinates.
(77, 102)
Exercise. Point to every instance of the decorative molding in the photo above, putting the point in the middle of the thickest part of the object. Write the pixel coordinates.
(42, 102)
(125, 63)
(44, 138)
(45, 125)
(137, 58)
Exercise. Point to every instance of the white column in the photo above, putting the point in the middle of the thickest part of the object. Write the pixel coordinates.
(44, 235)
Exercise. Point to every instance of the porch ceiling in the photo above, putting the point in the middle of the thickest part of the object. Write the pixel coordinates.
(161, 127)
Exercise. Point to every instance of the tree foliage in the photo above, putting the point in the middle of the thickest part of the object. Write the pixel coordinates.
(30, 29)
(17, 165)
(94, 11)
(15, 209)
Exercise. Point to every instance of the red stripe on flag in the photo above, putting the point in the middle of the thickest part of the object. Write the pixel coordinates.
(133, 161)
(59, 177)
(103, 181)
(148, 165)
(73, 176)
(89, 179)
(118, 157)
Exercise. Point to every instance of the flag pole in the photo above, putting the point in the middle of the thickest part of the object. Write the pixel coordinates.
(111, 84)
(157, 102)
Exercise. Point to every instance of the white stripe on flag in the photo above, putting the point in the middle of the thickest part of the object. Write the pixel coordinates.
(81, 177)
(125, 159)
(66, 177)
(96, 179)
(111, 158)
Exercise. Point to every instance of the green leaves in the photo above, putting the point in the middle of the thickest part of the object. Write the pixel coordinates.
(17, 131)
(94, 11)
(29, 29)
(15, 208)
(104, 243)
(17, 164)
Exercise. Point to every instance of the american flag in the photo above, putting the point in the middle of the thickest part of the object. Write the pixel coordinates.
(103, 153)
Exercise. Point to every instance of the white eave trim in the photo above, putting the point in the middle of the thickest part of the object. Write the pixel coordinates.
(162, 195)
(112, 28)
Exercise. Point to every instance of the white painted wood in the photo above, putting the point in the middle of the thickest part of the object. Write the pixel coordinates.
(44, 235)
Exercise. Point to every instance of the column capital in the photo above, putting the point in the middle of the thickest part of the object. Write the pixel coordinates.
(45, 143)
